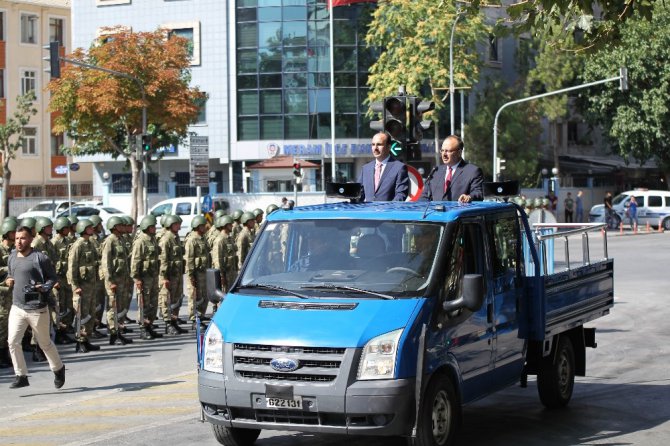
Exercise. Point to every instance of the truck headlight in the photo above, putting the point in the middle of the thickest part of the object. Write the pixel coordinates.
(379, 355)
(213, 350)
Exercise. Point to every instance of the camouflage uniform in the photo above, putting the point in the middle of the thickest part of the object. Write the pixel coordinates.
(114, 271)
(243, 241)
(197, 262)
(144, 267)
(82, 274)
(126, 295)
(224, 258)
(64, 292)
(171, 269)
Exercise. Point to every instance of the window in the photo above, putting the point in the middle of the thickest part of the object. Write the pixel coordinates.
(655, 201)
(56, 30)
(57, 142)
(2, 25)
(2, 83)
(189, 31)
(29, 141)
(122, 183)
(28, 81)
(503, 236)
(183, 209)
(495, 50)
(29, 26)
(111, 2)
(202, 112)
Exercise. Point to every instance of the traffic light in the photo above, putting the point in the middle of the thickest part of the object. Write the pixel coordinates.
(394, 120)
(500, 165)
(146, 143)
(623, 79)
(416, 123)
(296, 170)
(53, 58)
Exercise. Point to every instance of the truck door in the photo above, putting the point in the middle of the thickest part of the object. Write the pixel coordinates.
(465, 335)
(504, 249)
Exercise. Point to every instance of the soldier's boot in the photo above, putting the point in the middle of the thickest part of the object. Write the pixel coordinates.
(38, 354)
(151, 327)
(65, 338)
(112, 337)
(5, 360)
(123, 329)
(90, 347)
(174, 324)
(80, 347)
(172, 329)
(145, 333)
(123, 340)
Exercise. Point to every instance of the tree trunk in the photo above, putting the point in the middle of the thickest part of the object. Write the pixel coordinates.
(6, 181)
(137, 204)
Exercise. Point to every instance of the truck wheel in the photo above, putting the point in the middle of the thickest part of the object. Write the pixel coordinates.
(235, 436)
(556, 377)
(440, 414)
(666, 224)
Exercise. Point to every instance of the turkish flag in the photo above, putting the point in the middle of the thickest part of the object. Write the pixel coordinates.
(334, 3)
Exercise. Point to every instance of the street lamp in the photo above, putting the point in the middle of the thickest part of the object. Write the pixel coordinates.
(459, 14)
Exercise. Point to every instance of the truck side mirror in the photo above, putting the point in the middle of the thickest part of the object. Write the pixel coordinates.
(473, 294)
(214, 292)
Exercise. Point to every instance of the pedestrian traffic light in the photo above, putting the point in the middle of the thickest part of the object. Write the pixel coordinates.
(417, 125)
(500, 164)
(53, 58)
(623, 79)
(296, 170)
(395, 117)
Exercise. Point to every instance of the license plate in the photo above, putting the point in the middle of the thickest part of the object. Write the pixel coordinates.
(279, 403)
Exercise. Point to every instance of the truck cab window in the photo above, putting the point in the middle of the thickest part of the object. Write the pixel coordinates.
(503, 235)
(466, 257)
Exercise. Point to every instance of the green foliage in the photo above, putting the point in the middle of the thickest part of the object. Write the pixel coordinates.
(414, 38)
(518, 134)
(637, 122)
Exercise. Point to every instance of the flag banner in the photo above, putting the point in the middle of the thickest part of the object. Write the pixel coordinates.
(335, 3)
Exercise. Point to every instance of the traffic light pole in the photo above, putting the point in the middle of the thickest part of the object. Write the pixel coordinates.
(623, 74)
(144, 115)
(452, 89)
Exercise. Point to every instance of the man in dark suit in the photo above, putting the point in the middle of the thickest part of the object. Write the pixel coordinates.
(456, 179)
(385, 178)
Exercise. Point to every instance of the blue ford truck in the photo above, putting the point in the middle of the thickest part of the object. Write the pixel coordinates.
(386, 318)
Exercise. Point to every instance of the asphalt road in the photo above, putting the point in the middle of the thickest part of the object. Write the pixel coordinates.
(145, 393)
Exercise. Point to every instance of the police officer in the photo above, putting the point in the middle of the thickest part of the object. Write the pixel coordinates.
(144, 271)
(7, 231)
(197, 262)
(245, 238)
(114, 269)
(63, 291)
(82, 275)
(224, 256)
(171, 274)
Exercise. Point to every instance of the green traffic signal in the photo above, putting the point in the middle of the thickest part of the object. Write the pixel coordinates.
(146, 143)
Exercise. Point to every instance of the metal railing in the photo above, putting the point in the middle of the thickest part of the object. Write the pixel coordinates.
(564, 230)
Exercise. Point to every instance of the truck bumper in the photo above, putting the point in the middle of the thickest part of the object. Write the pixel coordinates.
(384, 407)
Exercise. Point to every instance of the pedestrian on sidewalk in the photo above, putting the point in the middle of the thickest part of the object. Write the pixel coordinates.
(569, 206)
(31, 275)
(631, 212)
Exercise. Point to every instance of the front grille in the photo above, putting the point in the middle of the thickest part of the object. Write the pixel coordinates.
(315, 364)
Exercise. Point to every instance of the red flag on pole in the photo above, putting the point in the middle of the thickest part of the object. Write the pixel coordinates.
(335, 3)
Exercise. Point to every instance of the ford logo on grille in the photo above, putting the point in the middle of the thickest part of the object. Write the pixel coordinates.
(285, 364)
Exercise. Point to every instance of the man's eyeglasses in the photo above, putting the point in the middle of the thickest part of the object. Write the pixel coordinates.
(450, 151)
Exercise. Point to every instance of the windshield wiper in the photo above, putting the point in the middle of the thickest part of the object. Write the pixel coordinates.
(330, 286)
(266, 286)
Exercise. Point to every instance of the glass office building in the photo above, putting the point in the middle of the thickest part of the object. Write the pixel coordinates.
(283, 70)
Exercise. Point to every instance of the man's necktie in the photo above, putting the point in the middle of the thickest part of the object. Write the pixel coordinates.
(447, 182)
(378, 174)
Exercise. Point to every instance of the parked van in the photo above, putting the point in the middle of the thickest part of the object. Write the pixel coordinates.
(653, 207)
(186, 208)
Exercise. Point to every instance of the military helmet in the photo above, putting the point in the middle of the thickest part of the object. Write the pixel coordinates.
(95, 219)
(41, 223)
(6, 227)
(82, 225)
(28, 222)
(147, 221)
(237, 214)
(73, 220)
(198, 220)
(219, 213)
(163, 218)
(170, 220)
(127, 219)
(257, 212)
(12, 219)
(246, 217)
(114, 221)
(271, 208)
(61, 223)
(223, 221)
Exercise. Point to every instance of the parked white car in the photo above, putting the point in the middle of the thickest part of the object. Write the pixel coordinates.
(653, 207)
(48, 209)
(105, 212)
(186, 208)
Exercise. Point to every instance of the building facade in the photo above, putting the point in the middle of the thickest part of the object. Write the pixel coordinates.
(39, 169)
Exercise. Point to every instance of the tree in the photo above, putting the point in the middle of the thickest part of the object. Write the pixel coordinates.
(414, 38)
(637, 121)
(11, 139)
(102, 112)
(519, 133)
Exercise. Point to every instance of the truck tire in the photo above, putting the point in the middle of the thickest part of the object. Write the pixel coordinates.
(235, 436)
(440, 414)
(666, 224)
(556, 377)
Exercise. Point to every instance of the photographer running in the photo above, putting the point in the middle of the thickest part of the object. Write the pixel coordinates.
(32, 275)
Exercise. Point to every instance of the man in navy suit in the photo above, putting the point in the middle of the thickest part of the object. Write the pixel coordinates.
(456, 179)
(385, 178)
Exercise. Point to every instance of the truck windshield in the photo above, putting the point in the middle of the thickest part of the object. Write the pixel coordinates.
(361, 258)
